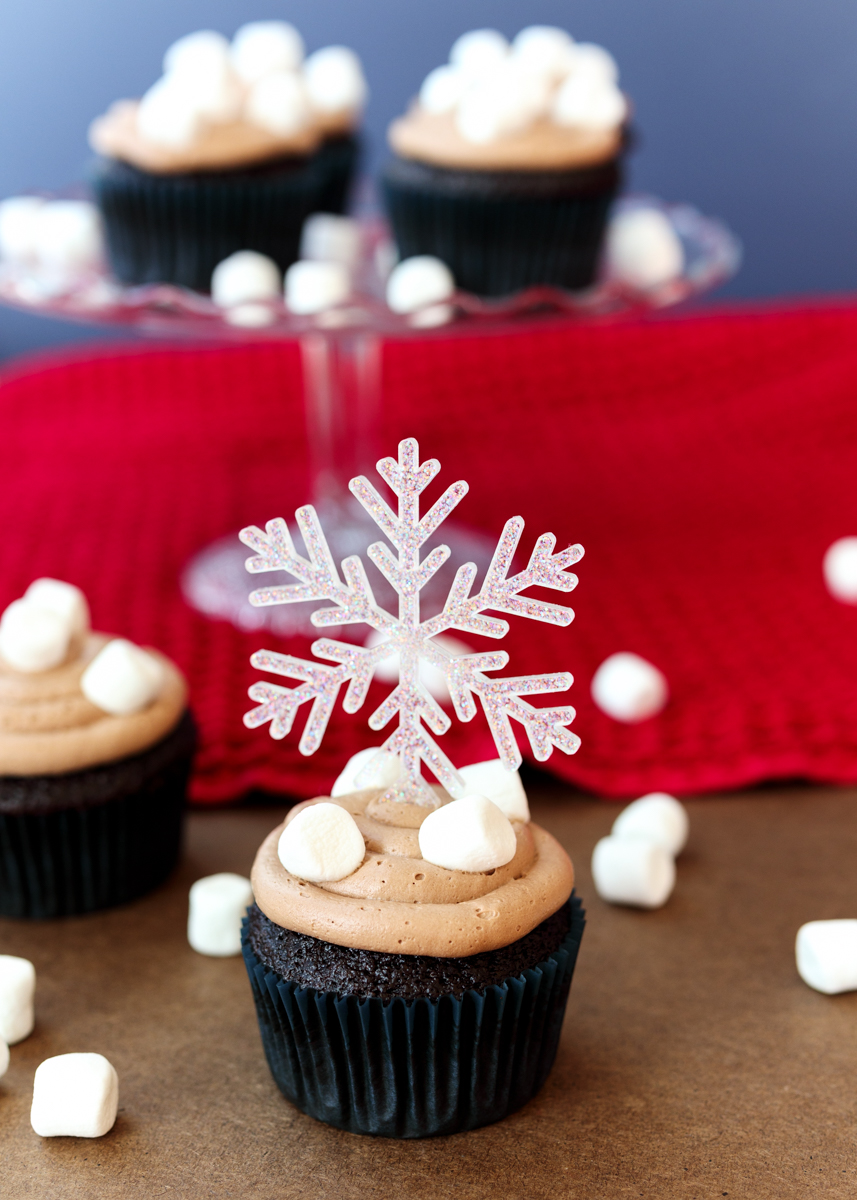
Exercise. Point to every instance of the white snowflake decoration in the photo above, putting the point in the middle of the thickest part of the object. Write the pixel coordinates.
(407, 635)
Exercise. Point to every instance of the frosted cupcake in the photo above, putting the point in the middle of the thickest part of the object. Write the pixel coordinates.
(506, 165)
(230, 150)
(96, 742)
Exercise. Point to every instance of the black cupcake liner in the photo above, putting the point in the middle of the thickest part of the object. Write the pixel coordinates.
(337, 161)
(419, 1068)
(177, 228)
(501, 232)
(73, 843)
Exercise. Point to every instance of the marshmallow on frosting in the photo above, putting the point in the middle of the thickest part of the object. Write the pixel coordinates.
(372, 767)
(33, 638)
(470, 834)
(262, 47)
(122, 678)
(321, 844)
(64, 599)
(502, 787)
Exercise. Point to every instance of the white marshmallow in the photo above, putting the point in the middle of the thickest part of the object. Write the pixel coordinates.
(588, 102)
(279, 103)
(64, 599)
(594, 61)
(4, 1058)
(250, 316)
(826, 954)
(311, 287)
(216, 907)
(245, 276)
(418, 282)
(326, 237)
(17, 995)
(628, 688)
(75, 1095)
(502, 787)
(68, 235)
(442, 89)
(334, 80)
(657, 817)
(504, 101)
(470, 834)
(633, 871)
(321, 844)
(840, 569)
(18, 228)
(643, 249)
(32, 638)
(167, 114)
(385, 770)
(260, 47)
(197, 53)
(478, 51)
(122, 678)
(545, 49)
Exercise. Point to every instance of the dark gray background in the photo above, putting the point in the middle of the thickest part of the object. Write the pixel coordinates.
(746, 108)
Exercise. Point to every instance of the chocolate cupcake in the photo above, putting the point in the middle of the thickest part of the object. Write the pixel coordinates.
(232, 149)
(96, 742)
(409, 999)
(507, 164)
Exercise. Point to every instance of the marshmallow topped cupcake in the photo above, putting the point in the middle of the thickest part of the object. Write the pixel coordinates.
(506, 164)
(231, 149)
(96, 743)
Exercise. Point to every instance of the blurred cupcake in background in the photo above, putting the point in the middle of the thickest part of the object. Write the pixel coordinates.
(231, 149)
(507, 163)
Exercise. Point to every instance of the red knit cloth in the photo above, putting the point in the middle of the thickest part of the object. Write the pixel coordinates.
(705, 464)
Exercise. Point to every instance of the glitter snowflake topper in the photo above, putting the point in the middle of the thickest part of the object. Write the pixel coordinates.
(409, 637)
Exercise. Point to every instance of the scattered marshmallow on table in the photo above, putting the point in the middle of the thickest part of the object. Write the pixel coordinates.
(643, 249)
(216, 907)
(122, 678)
(826, 954)
(379, 766)
(4, 1058)
(75, 1095)
(628, 688)
(17, 995)
(418, 282)
(321, 844)
(470, 834)
(326, 237)
(312, 287)
(656, 817)
(502, 787)
(244, 276)
(634, 871)
(840, 569)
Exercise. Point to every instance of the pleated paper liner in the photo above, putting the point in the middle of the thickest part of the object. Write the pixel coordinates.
(73, 843)
(337, 160)
(177, 228)
(501, 232)
(419, 1068)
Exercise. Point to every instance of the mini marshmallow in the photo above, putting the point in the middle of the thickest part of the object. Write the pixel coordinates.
(68, 235)
(197, 53)
(18, 228)
(321, 844)
(4, 1058)
(217, 905)
(249, 316)
(628, 688)
(326, 237)
(633, 871)
(470, 834)
(279, 103)
(826, 954)
(442, 89)
(245, 276)
(594, 61)
(656, 817)
(64, 599)
(167, 114)
(840, 569)
(545, 49)
(380, 768)
(589, 102)
(643, 249)
(478, 51)
(122, 678)
(261, 47)
(33, 638)
(418, 282)
(505, 101)
(75, 1095)
(334, 80)
(502, 787)
(312, 287)
(17, 994)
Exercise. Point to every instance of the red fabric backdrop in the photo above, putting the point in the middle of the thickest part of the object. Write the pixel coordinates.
(705, 464)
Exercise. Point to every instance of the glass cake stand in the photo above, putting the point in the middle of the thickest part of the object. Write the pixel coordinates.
(341, 359)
